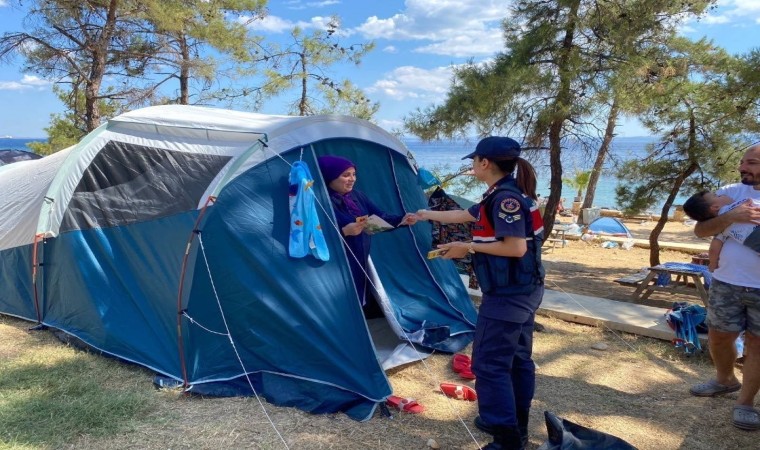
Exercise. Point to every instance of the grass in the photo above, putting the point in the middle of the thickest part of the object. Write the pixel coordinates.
(51, 393)
(53, 396)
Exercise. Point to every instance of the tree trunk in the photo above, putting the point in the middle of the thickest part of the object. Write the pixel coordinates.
(654, 245)
(184, 72)
(601, 156)
(561, 107)
(98, 69)
(302, 104)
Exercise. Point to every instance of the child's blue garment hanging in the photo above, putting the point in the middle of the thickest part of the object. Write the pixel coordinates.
(306, 235)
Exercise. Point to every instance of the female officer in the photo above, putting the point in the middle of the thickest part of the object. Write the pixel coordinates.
(506, 247)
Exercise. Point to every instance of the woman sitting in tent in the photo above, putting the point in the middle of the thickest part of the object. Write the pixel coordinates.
(350, 205)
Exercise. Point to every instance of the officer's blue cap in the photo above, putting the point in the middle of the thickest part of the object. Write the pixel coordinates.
(495, 147)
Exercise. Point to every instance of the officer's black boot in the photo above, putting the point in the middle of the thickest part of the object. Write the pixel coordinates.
(505, 438)
(523, 415)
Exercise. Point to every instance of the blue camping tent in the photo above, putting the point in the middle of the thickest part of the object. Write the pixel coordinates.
(163, 236)
(608, 226)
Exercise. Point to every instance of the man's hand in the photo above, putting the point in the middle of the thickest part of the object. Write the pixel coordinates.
(746, 212)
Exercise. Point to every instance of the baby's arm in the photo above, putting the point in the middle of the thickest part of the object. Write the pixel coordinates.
(714, 253)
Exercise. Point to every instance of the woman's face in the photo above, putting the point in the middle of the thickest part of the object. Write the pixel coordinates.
(345, 182)
(477, 167)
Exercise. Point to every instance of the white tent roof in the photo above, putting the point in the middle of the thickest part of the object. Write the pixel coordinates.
(34, 194)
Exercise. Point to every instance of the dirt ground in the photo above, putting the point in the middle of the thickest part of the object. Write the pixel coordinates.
(634, 388)
(589, 269)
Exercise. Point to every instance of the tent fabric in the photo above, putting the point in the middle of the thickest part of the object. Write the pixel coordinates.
(9, 156)
(163, 235)
(608, 226)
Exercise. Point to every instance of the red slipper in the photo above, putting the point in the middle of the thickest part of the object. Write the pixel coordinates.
(466, 374)
(459, 391)
(409, 405)
(461, 364)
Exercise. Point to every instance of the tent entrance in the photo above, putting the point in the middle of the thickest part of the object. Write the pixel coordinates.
(390, 340)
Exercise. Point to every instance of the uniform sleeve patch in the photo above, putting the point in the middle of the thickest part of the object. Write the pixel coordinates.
(510, 205)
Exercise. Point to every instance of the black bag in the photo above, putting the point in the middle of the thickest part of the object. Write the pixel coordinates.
(566, 435)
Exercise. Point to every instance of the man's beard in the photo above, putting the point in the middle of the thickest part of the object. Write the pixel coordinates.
(749, 179)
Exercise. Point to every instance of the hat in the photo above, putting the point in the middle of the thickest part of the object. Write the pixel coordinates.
(332, 166)
(496, 146)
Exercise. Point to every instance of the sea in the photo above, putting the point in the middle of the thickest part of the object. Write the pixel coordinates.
(446, 157)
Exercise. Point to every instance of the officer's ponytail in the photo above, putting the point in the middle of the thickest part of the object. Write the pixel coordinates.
(526, 174)
(526, 178)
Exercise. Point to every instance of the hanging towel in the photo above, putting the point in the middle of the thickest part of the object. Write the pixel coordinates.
(306, 237)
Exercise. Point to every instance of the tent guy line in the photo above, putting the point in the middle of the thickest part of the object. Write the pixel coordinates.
(422, 359)
(232, 343)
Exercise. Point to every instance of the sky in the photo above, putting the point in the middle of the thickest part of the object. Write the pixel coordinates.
(418, 42)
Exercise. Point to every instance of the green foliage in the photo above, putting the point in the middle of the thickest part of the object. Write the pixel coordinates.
(180, 33)
(95, 48)
(703, 103)
(69, 128)
(579, 182)
(564, 62)
(302, 69)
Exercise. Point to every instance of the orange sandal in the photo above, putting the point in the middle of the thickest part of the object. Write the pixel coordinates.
(459, 392)
(408, 405)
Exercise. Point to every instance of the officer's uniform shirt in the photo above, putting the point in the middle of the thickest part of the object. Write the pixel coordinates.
(509, 220)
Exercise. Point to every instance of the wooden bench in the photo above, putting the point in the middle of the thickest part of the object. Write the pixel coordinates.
(685, 282)
(633, 280)
(553, 242)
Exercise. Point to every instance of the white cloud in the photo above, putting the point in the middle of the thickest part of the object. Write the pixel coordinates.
(276, 24)
(389, 49)
(409, 82)
(322, 3)
(388, 124)
(734, 11)
(454, 28)
(27, 82)
(3, 3)
(712, 20)
(746, 5)
(272, 24)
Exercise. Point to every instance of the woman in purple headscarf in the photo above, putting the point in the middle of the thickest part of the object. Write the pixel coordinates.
(340, 176)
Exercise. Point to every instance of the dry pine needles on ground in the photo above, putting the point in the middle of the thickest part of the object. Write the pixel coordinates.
(636, 389)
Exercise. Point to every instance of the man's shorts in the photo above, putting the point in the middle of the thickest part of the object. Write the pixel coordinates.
(732, 309)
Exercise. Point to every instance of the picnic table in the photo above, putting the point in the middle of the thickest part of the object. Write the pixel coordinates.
(558, 235)
(673, 278)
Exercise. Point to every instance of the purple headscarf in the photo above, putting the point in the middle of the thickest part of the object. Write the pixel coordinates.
(332, 166)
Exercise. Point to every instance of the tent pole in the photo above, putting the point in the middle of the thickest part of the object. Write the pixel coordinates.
(180, 310)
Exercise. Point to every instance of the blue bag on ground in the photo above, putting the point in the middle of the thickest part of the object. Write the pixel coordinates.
(566, 435)
(687, 320)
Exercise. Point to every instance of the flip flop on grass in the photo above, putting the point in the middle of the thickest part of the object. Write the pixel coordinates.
(461, 364)
(408, 405)
(459, 392)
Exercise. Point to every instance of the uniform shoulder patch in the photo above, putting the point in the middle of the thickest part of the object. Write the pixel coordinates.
(510, 205)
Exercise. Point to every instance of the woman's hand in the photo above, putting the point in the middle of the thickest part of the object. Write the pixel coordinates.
(354, 229)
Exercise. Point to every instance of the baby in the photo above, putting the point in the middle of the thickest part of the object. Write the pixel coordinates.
(706, 205)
